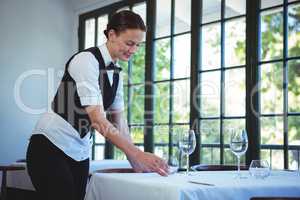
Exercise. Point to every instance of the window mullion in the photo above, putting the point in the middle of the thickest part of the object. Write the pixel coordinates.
(171, 88)
(109, 147)
(222, 84)
(285, 84)
(149, 76)
(252, 80)
(196, 18)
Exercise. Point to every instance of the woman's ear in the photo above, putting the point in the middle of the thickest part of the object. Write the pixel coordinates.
(112, 35)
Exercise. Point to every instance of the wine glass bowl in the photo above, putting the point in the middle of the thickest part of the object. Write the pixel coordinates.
(259, 169)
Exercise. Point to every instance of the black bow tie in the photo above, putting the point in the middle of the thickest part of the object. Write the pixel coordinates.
(112, 66)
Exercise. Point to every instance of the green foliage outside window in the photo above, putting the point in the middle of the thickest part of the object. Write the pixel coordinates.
(272, 81)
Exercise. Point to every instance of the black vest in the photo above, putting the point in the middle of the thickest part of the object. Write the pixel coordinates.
(66, 102)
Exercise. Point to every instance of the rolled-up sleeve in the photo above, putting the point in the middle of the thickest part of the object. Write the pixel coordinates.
(118, 103)
(84, 70)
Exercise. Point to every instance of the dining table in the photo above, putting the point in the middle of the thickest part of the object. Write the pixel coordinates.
(201, 185)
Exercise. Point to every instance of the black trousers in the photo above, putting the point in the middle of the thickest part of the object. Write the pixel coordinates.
(54, 175)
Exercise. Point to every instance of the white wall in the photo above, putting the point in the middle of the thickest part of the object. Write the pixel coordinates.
(34, 35)
(36, 39)
(82, 6)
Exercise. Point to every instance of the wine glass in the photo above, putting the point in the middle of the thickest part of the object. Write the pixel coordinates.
(239, 146)
(259, 169)
(187, 145)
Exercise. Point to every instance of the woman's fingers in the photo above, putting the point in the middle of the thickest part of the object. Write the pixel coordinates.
(161, 167)
(148, 162)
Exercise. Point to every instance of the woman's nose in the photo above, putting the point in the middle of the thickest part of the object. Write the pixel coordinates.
(133, 49)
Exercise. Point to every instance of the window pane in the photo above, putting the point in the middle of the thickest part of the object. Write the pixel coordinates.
(210, 94)
(161, 135)
(119, 155)
(235, 37)
(294, 157)
(271, 88)
(277, 159)
(161, 151)
(294, 130)
(182, 16)
(272, 130)
(211, 10)
(294, 85)
(163, 18)
(265, 154)
(181, 98)
(137, 134)
(182, 56)
(270, 3)
(162, 59)
(229, 157)
(124, 8)
(99, 152)
(235, 83)
(126, 102)
(176, 154)
(89, 33)
(141, 10)
(274, 158)
(272, 34)
(294, 30)
(102, 22)
(176, 131)
(162, 102)
(138, 65)
(210, 131)
(211, 47)
(141, 147)
(124, 66)
(137, 104)
(233, 125)
(235, 8)
(210, 155)
(99, 138)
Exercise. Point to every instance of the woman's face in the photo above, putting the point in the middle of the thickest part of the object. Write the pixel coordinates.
(125, 44)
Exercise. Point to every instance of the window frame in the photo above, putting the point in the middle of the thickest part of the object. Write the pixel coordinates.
(252, 63)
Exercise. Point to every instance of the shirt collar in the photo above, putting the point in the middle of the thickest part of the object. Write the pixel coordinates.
(106, 55)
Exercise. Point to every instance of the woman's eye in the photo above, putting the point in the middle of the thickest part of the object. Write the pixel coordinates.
(129, 44)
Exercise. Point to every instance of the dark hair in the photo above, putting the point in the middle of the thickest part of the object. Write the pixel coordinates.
(123, 20)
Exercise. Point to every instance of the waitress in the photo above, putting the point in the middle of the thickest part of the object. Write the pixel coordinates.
(59, 148)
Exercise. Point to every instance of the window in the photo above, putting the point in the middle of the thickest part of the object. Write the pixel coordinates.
(172, 74)
(279, 68)
(226, 77)
(222, 77)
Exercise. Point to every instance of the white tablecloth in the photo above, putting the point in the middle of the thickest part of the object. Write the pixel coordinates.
(151, 186)
(21, 180)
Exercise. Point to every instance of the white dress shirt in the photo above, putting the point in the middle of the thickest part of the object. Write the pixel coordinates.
(84, 69)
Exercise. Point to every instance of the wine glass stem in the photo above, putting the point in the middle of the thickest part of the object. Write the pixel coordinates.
(239, 170)
(187, 163)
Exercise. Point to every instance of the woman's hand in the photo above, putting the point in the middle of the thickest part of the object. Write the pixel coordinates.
(148, 162)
